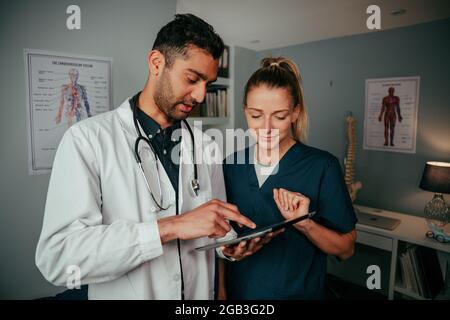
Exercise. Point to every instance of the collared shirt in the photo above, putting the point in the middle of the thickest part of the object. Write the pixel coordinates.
(162, 140)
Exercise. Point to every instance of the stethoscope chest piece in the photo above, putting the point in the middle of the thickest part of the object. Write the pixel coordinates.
(195, 186)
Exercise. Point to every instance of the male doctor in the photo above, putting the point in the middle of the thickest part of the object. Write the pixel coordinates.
(132, 233)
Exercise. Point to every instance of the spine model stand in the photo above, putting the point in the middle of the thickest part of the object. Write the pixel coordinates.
(349, 161)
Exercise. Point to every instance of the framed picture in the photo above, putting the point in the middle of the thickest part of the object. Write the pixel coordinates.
(390, 116)
(61, 89)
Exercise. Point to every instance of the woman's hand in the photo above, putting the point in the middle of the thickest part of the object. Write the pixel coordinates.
(246, 248)
(291, 204)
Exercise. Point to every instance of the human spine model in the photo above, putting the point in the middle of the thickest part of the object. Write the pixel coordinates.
(349, 162)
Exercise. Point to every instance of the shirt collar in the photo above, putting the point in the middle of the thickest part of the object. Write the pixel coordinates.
(148, 124)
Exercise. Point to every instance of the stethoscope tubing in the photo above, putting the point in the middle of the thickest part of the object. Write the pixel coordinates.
(194, 184)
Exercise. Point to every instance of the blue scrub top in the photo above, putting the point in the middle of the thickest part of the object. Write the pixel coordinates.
(290, 266)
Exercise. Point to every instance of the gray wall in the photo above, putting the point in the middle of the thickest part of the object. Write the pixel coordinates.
(113, 28)
(390, 180)
(246, 62)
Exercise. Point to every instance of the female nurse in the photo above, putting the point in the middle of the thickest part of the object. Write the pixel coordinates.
(282, 178)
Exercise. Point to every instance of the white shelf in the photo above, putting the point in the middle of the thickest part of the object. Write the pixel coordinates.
(412, 230)
(221, 123)
(222, 81)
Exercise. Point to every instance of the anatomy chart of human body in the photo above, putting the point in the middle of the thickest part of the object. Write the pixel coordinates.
(390, 122)
(74, 104)
(62, 89)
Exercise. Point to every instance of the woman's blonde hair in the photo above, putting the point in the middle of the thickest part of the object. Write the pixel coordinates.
(281, 72)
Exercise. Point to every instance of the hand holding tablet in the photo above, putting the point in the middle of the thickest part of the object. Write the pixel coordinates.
(256, 233)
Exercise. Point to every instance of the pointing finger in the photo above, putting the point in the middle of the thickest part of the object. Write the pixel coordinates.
(231, 215)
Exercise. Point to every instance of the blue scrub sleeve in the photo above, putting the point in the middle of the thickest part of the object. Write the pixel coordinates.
(335, 208)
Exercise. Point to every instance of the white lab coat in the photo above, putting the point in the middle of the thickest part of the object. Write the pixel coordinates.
(99, 215)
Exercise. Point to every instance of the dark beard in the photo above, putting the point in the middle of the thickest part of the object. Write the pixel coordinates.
(166, 101)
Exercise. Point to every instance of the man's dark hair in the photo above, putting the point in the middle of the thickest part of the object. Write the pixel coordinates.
(186, 30)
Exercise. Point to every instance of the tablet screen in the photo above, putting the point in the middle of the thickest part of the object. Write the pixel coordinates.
(256, 233)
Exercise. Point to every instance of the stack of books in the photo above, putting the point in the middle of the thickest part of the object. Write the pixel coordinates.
(215, 104)
(420, 271)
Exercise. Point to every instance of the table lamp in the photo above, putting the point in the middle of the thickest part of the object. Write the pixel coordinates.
(436, 178)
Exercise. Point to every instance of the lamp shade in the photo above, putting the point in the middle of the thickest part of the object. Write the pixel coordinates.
(436, 177)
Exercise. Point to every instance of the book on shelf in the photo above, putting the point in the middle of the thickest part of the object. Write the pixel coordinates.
(420, 271)
(224, 62)
(432, 271)
(406, 272)
(215, 104)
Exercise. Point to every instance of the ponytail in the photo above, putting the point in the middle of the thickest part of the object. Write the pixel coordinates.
(281, 72)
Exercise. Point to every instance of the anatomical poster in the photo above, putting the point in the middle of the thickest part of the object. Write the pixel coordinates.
(390, 119)
(61, 90)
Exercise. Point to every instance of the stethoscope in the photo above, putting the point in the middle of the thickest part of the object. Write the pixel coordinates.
(195, 186)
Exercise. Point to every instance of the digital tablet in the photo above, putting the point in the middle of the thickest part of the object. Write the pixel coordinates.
(256, 233)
